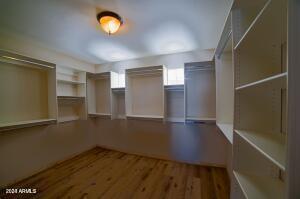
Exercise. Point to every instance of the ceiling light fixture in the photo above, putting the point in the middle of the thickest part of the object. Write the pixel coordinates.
(109, 21)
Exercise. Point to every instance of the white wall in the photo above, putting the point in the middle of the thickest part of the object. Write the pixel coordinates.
(199, 144)
(25, 152)
(170, 61)
(29, 47)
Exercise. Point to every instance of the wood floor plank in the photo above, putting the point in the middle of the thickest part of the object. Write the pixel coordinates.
(101, 173)
(207, 185)
(221, 183)
(62, 170)
(178, 185)
(193, 188)
(147, 187)
(76, 181)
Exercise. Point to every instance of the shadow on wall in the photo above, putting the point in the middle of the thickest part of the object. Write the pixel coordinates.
(190, 143)
(25, 152)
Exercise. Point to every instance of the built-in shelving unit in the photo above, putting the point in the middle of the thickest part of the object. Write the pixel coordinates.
(145, 93)
(224, 82)
(174, 95)
(99, 94)
(28, 91)
(118, 95)
(270, 145)
(246, 14)
(71, 94)
(174, 103)
(260, 98)
(70, 82)
(200, 92)
(71, 109)
(258, 187)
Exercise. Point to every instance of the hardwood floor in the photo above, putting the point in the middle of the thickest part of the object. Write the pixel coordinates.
(101, 173)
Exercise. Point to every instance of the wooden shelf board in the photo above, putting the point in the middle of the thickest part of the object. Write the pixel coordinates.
(68, 119)
(69, 81)
(24, 124)
(279, 79)
(259, 187)
(270, 145)
(259, 18)
(227, 130)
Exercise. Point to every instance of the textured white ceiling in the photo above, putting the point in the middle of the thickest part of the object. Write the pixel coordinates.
(151, 27)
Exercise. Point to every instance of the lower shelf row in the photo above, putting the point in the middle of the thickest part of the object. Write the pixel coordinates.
(256, 187)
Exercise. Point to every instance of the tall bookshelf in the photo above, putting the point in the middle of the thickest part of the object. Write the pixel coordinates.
(260, 110)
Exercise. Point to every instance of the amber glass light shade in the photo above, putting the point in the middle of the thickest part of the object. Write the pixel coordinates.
(109, 21)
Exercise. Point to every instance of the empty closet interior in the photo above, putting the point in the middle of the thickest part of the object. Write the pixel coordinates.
(99, 94)
(228, 106)
(200, 91)
(118, 96)
(145, 93)
(28, 94)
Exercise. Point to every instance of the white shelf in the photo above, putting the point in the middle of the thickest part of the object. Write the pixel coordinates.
(200, 119)
(24, 124)
(270, 145)
(175, 119)
(177, 87)
(227, 130)
(70, 97)
(255, 187)
(99, 114)
(67, 74)
(68, 119)
(154, 117)
(118, 89)
(259, 19)
(280, 80)
(69, 81)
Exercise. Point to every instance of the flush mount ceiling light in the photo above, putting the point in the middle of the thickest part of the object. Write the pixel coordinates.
(109, 21)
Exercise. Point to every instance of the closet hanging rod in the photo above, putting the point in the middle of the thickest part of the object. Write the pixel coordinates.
(26, 61)
(145, 74)
(200, 69)
(143, 71)
(67, 74)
